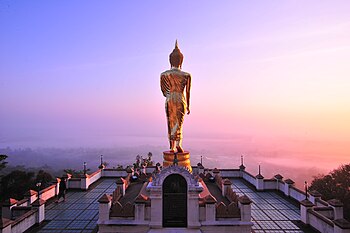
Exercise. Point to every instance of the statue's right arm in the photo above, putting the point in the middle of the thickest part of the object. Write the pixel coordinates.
(188, 92)
(164, 85)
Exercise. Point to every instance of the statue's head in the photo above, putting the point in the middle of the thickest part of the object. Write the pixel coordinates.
(176, 57)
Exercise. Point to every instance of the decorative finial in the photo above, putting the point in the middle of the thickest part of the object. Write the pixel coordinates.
(84, 166)
(101, 164)
(242, 167)
(306, 190)
(176, 44)
(259, 170)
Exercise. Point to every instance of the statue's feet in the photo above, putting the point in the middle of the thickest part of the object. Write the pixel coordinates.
(180, 149)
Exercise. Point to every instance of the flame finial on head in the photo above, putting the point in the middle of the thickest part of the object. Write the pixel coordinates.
(176, 57)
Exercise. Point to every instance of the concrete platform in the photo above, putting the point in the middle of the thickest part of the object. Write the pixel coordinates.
(174, 230)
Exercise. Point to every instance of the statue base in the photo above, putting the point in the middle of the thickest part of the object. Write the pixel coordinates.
(183, 159)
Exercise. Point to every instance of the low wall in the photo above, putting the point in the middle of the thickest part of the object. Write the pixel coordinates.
(270, 184)
(48, 192)
(232, 173)
(23, 223)
(328, 212)
(114, 173)
(296, 194)
(18, 211)
(273, 184)
(320, 222)
(23, 202)
(93, 177)
(320, 217)
(74, 183)
(84, 181)
(280, 186)
(249, 177)
(321, 203)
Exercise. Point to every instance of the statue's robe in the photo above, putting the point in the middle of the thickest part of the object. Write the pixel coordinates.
(173, 83)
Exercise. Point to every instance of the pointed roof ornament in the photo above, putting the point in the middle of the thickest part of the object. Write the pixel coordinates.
(242, 167)
(176, 57)
(259, 176)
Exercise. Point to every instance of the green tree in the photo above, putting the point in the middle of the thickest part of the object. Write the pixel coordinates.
(2, 166)
(44, 178)
(137, 163)
(335, 185)
(149, 160)
(15, 184)
(76, 173)
(2, 162)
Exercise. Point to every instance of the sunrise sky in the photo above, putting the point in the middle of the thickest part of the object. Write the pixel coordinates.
(271, 71)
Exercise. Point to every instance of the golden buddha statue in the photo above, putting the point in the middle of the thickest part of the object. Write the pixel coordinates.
(173, 83)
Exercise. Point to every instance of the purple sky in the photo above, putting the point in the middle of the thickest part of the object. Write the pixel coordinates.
(70, 70)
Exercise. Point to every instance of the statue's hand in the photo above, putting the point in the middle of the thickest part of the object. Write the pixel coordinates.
(188, 111)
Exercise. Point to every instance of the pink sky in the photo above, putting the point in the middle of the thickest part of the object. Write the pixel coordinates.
(277, 72)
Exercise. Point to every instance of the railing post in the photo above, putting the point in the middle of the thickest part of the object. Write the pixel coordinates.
(305, 205)
(140, 203)
(104, 207)
(210, 209)
(337, 207)
(122, 184)
(226, 184)
(7, 206)
(314, 196)
(259, 182)
(287, 184)
(31, 195)
(244, 204)
(278, 179)
(40, 205)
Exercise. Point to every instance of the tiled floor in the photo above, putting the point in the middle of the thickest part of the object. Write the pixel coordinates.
(79, 213)
(271, 213)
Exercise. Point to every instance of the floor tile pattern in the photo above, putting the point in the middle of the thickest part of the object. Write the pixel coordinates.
(271, 213)
(79, 213)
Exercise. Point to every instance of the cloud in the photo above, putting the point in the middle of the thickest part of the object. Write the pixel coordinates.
(305, 53)
(282, 36)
